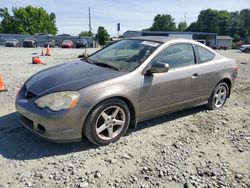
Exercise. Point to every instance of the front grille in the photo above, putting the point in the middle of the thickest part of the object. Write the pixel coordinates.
(26, 121)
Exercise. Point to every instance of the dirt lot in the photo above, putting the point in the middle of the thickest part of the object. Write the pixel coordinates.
(191, 148)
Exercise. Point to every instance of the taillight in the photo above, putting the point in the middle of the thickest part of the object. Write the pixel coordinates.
(236, 69)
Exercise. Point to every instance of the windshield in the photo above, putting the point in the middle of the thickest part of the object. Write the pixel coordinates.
(67, 41)
(81, 40)
(29, 38)
(125, 54)
(12, 40)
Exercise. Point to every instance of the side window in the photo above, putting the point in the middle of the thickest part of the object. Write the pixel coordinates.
(204, 54)
(177, 55)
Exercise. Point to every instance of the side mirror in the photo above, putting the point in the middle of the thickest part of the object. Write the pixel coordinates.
(158, 67)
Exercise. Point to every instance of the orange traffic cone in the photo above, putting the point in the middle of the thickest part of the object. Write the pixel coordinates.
(47, 51)
(37, 60)
(2, 86)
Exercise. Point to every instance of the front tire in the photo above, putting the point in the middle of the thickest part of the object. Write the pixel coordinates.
(107, 122)
(218, 97)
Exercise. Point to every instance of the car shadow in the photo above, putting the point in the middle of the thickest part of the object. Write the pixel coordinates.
(167, 118)
(16, 142)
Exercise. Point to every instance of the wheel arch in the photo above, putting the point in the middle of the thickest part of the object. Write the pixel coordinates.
(229, 84)
(133, 119)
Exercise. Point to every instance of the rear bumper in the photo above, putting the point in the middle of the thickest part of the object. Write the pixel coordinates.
(63, 126)
(29, 45)
(10, 45)
(67, 46)
(80, 45)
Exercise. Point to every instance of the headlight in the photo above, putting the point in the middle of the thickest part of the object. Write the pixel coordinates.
(59, 101)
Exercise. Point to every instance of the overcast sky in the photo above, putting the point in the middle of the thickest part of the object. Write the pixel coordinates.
(72, 15)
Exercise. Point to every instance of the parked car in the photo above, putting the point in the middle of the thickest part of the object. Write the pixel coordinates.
(245, 48)
(67, 44)
(12, 43)
(29, 42)
(64, 35)
(125, 83)
(81, 43)
(50, 43)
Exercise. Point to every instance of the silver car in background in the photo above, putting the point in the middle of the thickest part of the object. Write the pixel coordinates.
(245, 48)
(125, 83)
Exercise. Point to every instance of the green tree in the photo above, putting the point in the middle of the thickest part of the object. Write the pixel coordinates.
(102, 35)
(244, 23)
(85, 34)
(194, 26)
(28, 20)
(234, 25)
(224, 22)
(182, 26)
(212, 21)
(163, 22)
(208, 21)
(7, 23)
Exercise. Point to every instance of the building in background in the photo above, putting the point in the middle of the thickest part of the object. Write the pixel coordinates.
(223, 42)
(205, 38)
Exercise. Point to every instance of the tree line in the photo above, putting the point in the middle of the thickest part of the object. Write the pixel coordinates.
(32, 20)
(235, 24)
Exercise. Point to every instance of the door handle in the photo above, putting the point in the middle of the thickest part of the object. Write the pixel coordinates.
(195, 75)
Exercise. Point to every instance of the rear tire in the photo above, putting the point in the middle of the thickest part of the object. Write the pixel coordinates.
(107, 122)
(218, 97)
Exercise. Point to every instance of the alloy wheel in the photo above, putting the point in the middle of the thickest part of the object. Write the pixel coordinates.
(110, 122)
(220, 96)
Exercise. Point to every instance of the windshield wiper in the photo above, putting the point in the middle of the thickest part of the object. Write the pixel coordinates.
(105, 65)
(87, 60)
(100, 64)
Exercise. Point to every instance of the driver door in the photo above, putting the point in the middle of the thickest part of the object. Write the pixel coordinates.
(165, 92)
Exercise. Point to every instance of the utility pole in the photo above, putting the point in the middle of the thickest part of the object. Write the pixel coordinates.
(90, 29)
(118, 29)
(185, 16)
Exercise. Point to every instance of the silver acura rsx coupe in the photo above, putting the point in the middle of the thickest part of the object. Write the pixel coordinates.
(127, 82)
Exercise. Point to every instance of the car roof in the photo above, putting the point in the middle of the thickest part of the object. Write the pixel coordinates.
(161, 39)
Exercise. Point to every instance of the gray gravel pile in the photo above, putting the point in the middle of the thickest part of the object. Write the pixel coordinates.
(191, 148)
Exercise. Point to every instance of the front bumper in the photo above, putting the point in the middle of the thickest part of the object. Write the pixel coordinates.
(62, 126)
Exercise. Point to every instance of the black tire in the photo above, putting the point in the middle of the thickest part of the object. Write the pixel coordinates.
(212, 100)
(91, 124)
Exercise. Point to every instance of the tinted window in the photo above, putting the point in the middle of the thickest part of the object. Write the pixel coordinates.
(177, 55)
(204, 54)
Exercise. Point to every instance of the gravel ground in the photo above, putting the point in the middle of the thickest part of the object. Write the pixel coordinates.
(190, 148)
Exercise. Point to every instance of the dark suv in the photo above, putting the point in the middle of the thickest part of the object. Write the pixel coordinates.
(30, 42)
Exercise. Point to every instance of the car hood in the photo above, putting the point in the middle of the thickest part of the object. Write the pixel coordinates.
(69, 76)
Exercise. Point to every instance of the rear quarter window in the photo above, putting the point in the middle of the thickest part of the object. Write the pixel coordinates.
(204, 54)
